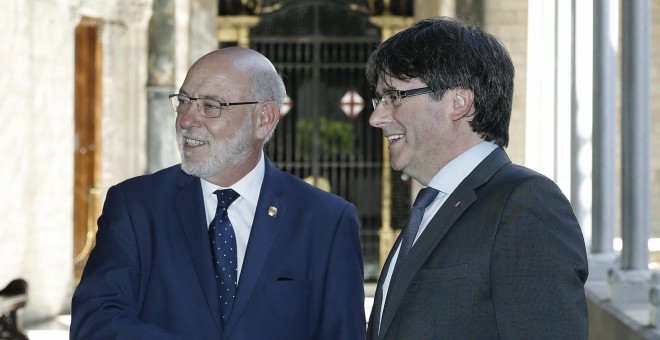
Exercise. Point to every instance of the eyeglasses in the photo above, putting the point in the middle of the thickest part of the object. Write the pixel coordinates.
(208, 107)
(392, 98)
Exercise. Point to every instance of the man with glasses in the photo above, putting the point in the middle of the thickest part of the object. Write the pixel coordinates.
(492, 250)
(224, 245)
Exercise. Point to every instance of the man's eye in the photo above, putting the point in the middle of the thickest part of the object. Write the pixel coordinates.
(211, 104)
(390, 97)
(184, 100)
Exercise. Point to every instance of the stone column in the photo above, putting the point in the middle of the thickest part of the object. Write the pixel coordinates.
(161, 142)
(633, 282)
(203, 28)
(602, 256)
(635, 121)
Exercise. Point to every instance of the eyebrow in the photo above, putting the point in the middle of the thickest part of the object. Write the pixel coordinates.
(216, 98)
(385, 90)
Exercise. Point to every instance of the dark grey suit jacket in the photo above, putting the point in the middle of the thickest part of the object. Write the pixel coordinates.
(503, 258)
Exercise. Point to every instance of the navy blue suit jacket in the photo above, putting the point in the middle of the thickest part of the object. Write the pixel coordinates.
(503, 258)
(150, 275)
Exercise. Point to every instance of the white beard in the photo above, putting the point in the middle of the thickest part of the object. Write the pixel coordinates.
(223, 153)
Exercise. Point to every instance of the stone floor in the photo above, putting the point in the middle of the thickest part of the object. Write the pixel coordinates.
(55, 329)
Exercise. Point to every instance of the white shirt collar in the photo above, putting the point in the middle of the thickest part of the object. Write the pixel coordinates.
(452, 174)
(249, 187)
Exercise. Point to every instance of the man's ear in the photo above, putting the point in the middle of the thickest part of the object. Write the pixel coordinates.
(267, 119)
(463, 103)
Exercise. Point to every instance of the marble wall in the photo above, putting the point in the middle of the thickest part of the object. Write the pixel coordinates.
(655, 119)
(507, 19)
(36, 107)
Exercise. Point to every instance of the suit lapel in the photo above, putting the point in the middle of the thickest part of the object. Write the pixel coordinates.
(374, 318)
(189, 205)
(455, 205)
(264, 229)
(434, 232)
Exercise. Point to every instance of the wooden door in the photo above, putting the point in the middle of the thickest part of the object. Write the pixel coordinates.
(88, 70)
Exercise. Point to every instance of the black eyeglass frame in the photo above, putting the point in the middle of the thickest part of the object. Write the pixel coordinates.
(174, 99)
(401, 94)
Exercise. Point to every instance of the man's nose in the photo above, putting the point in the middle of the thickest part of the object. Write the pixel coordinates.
(379, 116)
(190, 117)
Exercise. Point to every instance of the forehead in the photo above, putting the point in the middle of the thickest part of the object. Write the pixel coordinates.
(213, 80)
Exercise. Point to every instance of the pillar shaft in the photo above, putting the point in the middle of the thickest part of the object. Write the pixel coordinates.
(604, 120)
(161, 145)
(635, 126)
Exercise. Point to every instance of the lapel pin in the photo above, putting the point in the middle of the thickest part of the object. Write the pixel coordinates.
(458, 204)
(272, 211)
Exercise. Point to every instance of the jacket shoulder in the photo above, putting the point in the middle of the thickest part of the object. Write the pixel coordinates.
(310, 192)
(155, 181)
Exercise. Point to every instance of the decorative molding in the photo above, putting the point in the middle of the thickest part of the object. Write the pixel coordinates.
(391, 24)
(236, 28)
(136, 11)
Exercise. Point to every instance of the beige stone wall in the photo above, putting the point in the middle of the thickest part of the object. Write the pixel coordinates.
(123, 117)
(655, 119)
(507, 19)
(36, 110)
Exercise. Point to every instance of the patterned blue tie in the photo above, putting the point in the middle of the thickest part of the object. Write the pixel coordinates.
(422, 201)
(223, 249)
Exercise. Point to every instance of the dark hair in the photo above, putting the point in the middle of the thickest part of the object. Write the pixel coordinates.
(446, 53)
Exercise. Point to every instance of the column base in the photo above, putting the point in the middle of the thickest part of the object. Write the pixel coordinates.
(631, 286)
(601, 263)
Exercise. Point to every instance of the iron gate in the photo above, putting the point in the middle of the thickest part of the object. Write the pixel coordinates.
(320, 48)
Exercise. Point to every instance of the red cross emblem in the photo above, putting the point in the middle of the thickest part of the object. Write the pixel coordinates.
(352, 104)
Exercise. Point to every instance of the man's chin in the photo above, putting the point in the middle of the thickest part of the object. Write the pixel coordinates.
(193, 169)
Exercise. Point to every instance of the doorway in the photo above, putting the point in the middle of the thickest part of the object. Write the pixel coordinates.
(321, 48)
(87, 105)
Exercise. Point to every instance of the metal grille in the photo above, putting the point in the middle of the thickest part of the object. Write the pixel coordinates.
(321, 48)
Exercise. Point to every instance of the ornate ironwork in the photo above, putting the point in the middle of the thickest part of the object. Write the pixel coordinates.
(371, 7)
(320, 48)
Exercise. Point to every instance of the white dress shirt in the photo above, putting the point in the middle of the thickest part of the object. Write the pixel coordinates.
(241, 211)
(445, 181)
